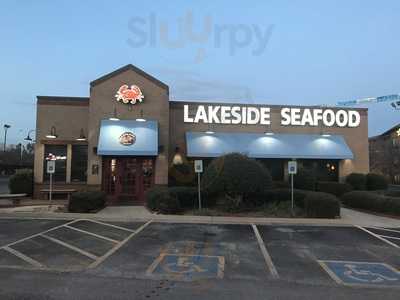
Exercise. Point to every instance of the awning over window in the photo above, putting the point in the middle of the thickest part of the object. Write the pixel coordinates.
(256, 145)
(128, 138)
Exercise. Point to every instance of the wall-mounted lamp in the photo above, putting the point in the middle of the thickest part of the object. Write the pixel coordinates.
(141, 118)
(53, 134)
(114, 116)
(209, 130)
(82, 136)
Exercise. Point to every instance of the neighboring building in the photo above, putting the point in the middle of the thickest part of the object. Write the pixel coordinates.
(105, 142)
(384, 153)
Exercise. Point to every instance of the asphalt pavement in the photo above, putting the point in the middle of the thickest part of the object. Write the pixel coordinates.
(87, 259)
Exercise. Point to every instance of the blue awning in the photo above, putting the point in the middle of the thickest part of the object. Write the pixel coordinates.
(256, 145)
(128, 138)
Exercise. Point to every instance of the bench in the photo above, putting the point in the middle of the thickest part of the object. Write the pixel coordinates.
(16, 198)
(68, 192)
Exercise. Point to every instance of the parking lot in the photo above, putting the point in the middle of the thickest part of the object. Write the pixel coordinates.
(204, 253)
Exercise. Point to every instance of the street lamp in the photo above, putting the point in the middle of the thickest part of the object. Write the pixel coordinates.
(28, 137)
(6, 127)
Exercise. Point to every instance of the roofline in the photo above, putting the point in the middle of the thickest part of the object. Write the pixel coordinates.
(133, 68)
(62, 100)
(174, 102)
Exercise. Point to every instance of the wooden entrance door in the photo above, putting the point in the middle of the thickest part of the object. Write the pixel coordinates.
(126, 179)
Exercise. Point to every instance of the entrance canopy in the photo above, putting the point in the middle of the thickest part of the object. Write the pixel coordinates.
(258, 145)
(128, 138)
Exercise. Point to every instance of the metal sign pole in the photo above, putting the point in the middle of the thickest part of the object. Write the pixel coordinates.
(292, 197)
(198, 183)
(51, 190)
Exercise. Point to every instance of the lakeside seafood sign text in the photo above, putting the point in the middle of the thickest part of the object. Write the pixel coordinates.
(253, 115)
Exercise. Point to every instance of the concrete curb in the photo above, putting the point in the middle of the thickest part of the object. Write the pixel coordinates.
(176, 219)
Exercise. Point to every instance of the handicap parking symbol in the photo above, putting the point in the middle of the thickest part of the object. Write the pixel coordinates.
(361, 273)
(187, 267)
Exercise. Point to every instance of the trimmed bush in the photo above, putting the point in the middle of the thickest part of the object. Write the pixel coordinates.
(321, 205)
(358, 181)
(237, 178)
(187, 196)
(281, 185)
(161, 199)
(278, 195)
(305, 179)
(376, 182)
(372, 201)
(21, 182)
(334, 188)
(85, 202)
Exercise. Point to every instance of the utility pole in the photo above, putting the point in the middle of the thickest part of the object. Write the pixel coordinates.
(6, 127)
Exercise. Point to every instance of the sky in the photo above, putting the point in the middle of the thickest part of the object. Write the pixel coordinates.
(274, 52)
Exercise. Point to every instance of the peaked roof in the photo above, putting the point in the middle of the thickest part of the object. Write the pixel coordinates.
(126, 68)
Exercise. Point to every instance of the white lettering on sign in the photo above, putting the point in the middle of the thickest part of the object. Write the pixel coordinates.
(216, 114)
(253, 115)
(314, 117)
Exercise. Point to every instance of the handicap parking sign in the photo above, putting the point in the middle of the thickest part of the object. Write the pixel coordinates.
(187, 267)
(361, 273)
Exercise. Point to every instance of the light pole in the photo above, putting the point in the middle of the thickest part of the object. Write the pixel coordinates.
(6, 127)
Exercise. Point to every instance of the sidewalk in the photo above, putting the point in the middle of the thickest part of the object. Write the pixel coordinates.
(134, 213)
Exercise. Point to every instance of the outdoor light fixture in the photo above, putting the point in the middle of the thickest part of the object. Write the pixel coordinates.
(269, 133)
(114, 116)
(325, 135)
(210, 132)
(28, 137)
(141, 118)
(82, 136)
(52, 134)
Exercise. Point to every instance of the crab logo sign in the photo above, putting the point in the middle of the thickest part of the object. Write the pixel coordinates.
(128, 94)
(127, 139)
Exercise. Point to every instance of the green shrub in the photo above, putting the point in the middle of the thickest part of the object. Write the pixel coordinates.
(334, 188)
(321, 205)
(281, 185)
(237, 178)
(376, 182)
(278, 195)
(160, 199)
(305, 179)
(357, 180)
(392, 193)
(187, 196)
(21, 182)
(372, 201)
(84, 202)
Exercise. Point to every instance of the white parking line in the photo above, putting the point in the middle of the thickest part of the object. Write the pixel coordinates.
(93, 234)
(113, 250)
(37, 234)
(378, 237)
(76, 249)
(384, 229)
(110, 225)
(22, 256)
(389, 237)
(264, 251)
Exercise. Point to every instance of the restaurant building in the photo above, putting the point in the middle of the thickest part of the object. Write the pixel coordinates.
(384, 151)
(127, 134)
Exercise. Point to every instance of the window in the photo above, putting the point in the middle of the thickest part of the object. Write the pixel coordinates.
(276, 168)
(79, 163)
(325, 170)
(60, 154)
